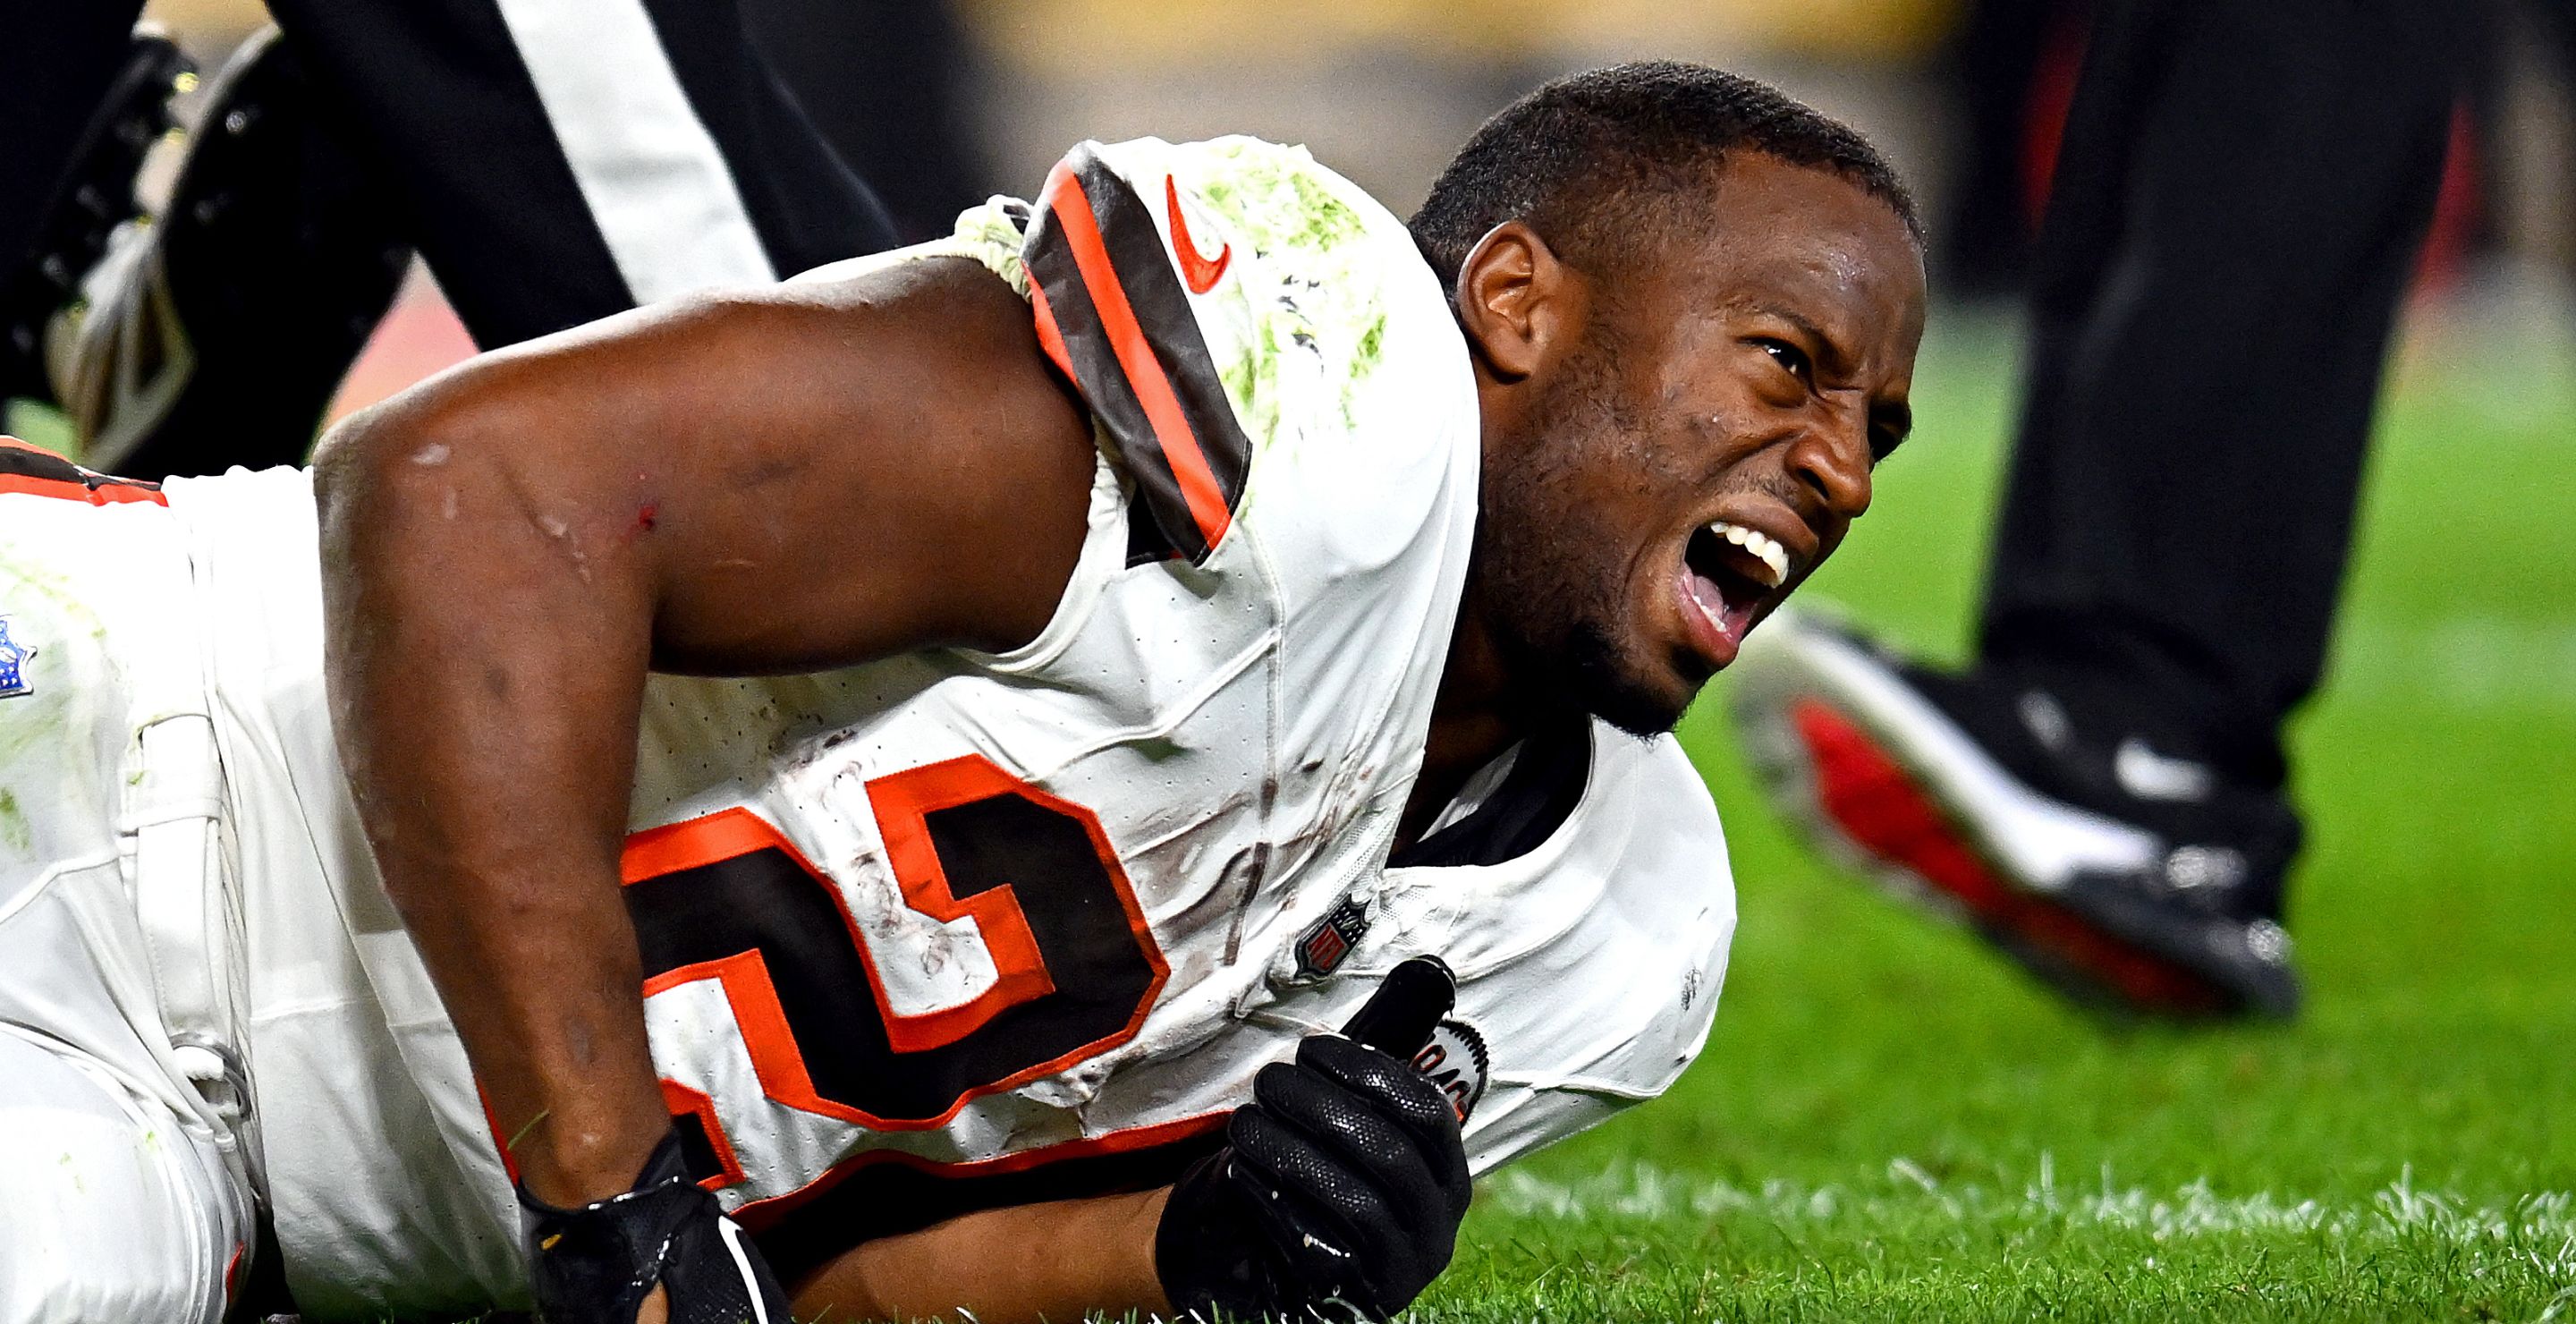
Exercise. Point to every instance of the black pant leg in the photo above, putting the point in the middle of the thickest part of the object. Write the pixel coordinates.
(57, 60)
(887, 83)
(1993, 66)
(562, 160)
(2241, 191)
(805, 201)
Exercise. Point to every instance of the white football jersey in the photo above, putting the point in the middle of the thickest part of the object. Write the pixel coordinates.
(960, 929)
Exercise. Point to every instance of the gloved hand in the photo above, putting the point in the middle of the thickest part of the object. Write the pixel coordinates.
(596, 1264)
(1343, 1181)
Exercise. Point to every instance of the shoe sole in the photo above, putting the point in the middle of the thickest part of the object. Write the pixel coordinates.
(1897, 792)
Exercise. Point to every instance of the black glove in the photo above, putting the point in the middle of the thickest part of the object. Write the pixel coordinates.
(1340, 1188)
(596, 1264)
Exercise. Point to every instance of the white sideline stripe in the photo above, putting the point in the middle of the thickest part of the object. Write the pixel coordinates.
(1643, 1191)
(660, 190)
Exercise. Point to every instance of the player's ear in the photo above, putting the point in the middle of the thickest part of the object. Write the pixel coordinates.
(1517, 301)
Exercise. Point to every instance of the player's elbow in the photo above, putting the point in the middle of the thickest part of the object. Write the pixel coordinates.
(421, 474)
(371, 466)
(344, 475)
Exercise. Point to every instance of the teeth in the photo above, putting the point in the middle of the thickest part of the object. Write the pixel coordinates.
(1764, 547)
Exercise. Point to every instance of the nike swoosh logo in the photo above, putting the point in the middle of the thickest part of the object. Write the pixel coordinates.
(1197, 271)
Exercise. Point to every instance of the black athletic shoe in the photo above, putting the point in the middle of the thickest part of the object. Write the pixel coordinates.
(215, 333)
(2122, 876)
(96, 196)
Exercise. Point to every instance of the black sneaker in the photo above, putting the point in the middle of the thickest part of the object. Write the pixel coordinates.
(2123, 876)
(96, 196)
(215, 333)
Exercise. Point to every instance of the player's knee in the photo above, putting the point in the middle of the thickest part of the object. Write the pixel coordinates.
(107, 1210)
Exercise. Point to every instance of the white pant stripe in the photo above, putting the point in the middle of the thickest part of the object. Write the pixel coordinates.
(655, 181)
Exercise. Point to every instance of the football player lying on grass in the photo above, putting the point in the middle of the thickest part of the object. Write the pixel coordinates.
(1004, 704)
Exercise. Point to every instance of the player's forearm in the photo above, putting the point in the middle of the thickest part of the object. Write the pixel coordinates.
(486, 656)
(1056, 1261)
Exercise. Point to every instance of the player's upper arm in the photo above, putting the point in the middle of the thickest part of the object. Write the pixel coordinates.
(792, 478)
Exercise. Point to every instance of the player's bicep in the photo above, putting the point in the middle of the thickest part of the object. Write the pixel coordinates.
(792, 478)
(913, 473)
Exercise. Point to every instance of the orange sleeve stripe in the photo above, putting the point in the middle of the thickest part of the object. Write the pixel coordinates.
(63, 489)
(58, 478)
(1072, 208)
(1050, 338)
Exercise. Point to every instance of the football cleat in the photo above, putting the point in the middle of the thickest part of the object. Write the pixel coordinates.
(2121, 875)
(214, 332)
(96, 196)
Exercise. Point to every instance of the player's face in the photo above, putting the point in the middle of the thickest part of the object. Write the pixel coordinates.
(1704, 441)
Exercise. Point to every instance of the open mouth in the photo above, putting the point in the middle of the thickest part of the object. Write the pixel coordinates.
(1730, 574)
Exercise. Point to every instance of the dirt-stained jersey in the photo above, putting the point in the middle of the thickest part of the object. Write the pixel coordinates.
(959, 929)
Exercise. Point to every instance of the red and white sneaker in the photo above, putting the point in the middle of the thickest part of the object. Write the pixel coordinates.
(2122, 876)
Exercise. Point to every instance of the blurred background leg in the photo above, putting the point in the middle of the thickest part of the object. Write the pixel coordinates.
(58, 59)
(2233, 217)
(887, 83)
(55, 64)
(555, 161)
(562, 160)
(2011, 65)
(2237, 206)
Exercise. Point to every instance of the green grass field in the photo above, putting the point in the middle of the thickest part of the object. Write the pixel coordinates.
(1889, 1123)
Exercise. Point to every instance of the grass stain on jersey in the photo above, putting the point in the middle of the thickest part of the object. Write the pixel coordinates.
(15, 833)
(1251, 380)
(46, 715)
(1364, 360)
(995, 240)
(1271, 196)
(1372, 347)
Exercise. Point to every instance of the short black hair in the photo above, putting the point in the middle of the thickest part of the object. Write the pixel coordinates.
(1585, 159)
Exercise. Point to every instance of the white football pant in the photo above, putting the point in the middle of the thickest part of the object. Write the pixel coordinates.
(124, 1194)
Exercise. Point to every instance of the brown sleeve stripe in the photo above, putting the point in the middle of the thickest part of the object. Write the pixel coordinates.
(1113, 313)
(33, 471)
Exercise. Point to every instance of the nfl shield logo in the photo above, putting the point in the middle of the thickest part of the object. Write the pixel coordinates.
(1327, 943)
(13, 664)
